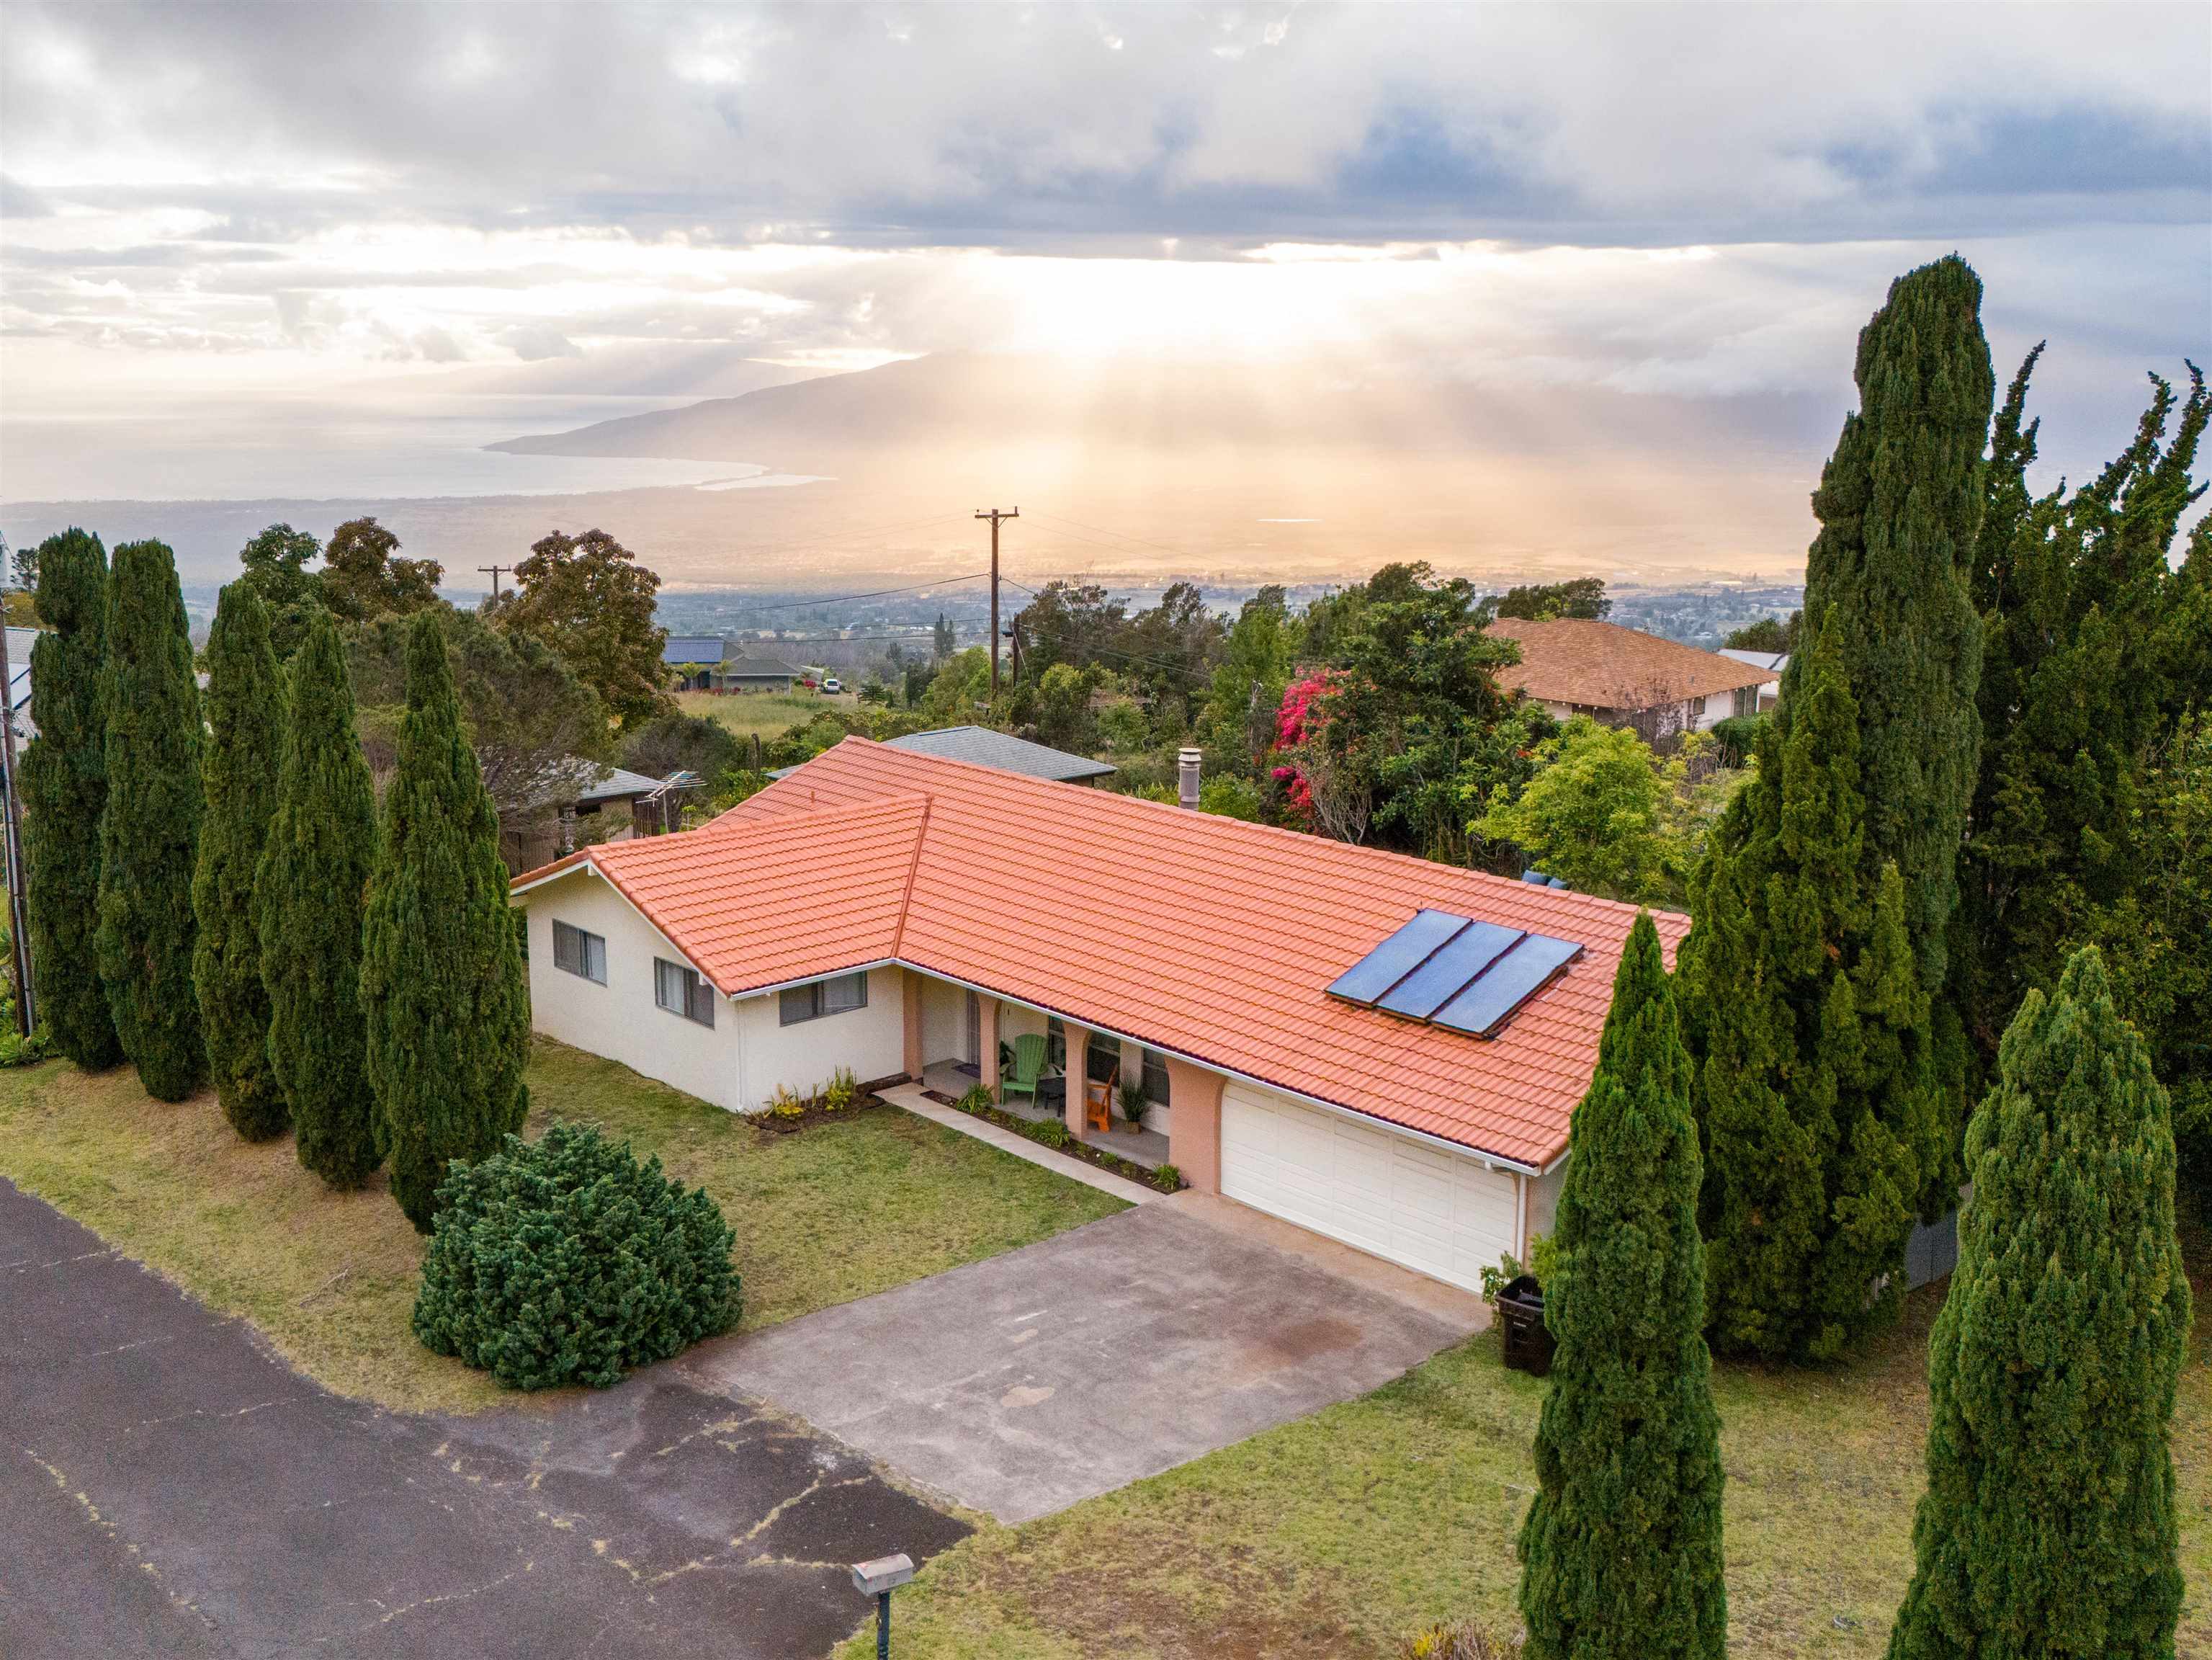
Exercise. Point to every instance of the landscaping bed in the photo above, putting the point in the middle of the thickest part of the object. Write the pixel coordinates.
(329, 1279)
(1052, 1133)
(1345, 1533)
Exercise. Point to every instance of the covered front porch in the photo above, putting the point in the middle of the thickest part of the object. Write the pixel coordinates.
(959, 1037)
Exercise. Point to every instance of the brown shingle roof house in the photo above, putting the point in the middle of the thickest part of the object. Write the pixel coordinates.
(1575, 665)
(1379, 1049)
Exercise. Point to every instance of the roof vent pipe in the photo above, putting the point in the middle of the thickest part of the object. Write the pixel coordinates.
(1187, 763)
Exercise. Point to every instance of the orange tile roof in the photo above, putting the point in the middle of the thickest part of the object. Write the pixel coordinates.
(1574, 659)
(1202, 935)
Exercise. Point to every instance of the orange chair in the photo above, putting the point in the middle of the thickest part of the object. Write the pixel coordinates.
(1098, 1098)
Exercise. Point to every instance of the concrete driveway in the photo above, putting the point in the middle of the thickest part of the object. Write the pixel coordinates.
(1022, 1384)
(168, 1489)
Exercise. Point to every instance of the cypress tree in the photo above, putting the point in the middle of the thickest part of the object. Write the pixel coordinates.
(314, 872)
(64, 795)
(149, 829)
(238, 773)
(1800, 996)
(1900, 507)
(2048, 1527)
(1621, 1552)
(442, 987)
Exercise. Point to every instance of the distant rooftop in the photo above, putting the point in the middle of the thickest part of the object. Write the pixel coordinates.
(757, 663)
(984, 747)
(1604, 666)
(1773, 661)
(692, 649)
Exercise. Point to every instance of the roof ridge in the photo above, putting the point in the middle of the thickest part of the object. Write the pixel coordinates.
(912, 864)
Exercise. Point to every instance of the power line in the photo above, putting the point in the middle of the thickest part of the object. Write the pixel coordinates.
(996, 517)
(1180, 553)
(877, 594)
(835, 535)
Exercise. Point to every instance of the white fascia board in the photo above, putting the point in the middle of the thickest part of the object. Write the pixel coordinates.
(616, 890)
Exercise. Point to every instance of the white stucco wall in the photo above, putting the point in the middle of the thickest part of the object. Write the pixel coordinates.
(944, 1021)
(871, 1041)
(620, 1020)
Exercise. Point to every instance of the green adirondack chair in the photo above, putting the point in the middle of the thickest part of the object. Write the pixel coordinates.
(1021, 1078)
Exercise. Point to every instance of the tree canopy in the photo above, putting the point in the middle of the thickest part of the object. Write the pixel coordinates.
(1545, 602)
(362, 578)
(588, 598)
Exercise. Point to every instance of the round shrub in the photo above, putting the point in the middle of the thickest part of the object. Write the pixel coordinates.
(565, 1261)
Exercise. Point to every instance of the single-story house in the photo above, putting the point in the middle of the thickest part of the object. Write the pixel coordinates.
(1773, 662)
(707, 662)
(570, 804)
(1577, 665)
(1382, 1049)
(694, 658)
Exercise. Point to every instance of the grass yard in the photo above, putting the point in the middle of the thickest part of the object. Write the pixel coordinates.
(836, 1212)
(765, 713)
(1342, 1534)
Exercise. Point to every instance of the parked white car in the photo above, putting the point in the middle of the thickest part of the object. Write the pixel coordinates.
(833, 685)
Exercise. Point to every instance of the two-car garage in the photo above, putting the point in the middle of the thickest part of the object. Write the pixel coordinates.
(1444, 1213)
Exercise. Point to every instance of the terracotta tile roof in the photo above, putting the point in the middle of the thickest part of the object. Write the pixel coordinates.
(1190, 933)
(1604, 666)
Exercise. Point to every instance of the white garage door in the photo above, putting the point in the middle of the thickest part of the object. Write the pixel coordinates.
(1435, 1210)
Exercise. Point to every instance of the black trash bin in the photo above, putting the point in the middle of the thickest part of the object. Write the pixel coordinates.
(1528, 1339)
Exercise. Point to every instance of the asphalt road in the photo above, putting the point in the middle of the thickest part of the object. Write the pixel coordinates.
(168, 1488)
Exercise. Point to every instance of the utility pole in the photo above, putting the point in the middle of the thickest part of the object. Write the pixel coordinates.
(18, 908)
(494, 570)
(994, 516)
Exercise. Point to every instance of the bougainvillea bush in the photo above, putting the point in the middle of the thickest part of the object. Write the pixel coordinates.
(565, 1261)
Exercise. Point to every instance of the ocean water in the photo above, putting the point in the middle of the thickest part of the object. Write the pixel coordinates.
(318, 453)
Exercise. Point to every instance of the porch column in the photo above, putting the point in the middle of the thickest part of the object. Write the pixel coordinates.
(1079, 1060)
(1195, 1124)
(911, 989)
(987, 1039)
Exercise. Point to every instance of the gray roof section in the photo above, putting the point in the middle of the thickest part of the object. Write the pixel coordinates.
(20, 641)
(693, 648)
(986, 748)
(617, 785)
(752, 664)
(1775, 660)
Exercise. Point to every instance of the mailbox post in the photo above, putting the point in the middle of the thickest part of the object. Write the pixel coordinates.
(878, 1580)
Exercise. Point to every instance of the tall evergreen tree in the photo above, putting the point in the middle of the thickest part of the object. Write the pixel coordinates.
(1900, 505)
(1621, 1552)
(443, 986)
(313, 878)
(245, 736)
(2078, 691)
(149, 829)
(2048, 1527)
(1802, 1004)
(64, 796)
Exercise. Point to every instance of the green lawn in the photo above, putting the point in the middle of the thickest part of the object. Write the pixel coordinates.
(766, 713)
(836, 1212)
(1342, 1534)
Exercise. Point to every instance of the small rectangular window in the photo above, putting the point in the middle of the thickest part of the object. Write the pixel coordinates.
(680, 991)
(820, 997)
(580, 952)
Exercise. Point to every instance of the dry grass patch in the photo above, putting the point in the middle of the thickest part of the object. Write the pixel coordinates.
(764, 713)
(839, 1211)
(1345, 1532)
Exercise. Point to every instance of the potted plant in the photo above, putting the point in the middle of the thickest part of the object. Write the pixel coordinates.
(1132, 1093)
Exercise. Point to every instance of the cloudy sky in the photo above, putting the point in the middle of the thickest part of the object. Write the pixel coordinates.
(220, 208)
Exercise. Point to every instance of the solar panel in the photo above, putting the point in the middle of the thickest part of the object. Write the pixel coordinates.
(1437, 980)
(1396, 956)
(1510, 981)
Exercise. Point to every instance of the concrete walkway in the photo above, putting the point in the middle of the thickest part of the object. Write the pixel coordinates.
(1022, 1384)
(910, 1096)
(168, 1489)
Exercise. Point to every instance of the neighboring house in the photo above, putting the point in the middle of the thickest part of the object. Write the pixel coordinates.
(753, 671)
(1773, 662)
(694, 658)
(570, 810)
(20, 641)
(903, 914)
(1575, 665)
(707, 662)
